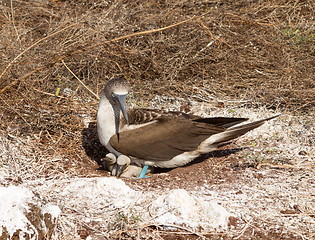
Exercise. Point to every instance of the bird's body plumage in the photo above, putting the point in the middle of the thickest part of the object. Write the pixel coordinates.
(162, 139)
(166, 139)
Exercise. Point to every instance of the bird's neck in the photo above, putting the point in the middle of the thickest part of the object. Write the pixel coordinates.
(108, 120)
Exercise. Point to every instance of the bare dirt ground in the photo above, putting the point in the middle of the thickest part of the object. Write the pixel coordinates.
(214, 58)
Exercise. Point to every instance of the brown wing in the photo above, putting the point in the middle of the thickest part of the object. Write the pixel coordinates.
(145, 115)
(174, 133)
(164, 139)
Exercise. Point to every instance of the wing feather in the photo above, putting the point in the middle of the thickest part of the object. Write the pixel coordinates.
(164, 139)
(169, 134)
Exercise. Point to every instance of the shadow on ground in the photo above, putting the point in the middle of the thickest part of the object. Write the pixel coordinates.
(91, 145)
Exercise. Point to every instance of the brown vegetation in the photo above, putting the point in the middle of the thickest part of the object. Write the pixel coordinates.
(260, 52)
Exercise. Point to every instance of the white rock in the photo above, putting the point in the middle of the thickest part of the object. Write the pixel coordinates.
(99, 191)
(179, 208)
(13, 204)
(3, 174)
(22, 216)
(53, 210)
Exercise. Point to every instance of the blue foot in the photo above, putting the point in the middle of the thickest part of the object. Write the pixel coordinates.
(142, 174)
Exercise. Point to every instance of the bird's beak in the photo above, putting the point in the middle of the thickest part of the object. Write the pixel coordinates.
(122, 104)
(120, 169)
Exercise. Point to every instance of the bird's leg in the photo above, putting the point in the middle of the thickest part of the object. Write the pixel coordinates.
(143, 172)
(121, 165)
(109, 161)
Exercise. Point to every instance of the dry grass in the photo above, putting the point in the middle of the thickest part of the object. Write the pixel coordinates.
(55, 57)
(258, 53)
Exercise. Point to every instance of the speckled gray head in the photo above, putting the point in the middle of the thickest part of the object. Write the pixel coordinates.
(116, 86)
(116, 91)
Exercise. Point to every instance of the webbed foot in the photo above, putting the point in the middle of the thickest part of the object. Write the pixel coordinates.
(143, 172)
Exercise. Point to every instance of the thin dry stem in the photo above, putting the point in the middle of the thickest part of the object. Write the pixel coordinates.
(27, 49)
(86, 87)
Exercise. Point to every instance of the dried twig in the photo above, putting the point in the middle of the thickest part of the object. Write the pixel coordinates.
(304, 105)
(27, 49)
(172, 226)
(50, 94)
(81, 50)
(211, 35)
(277, 166)
(251, 21)
(13, 23)
(86, 87)
(15, 112)
(296, 214)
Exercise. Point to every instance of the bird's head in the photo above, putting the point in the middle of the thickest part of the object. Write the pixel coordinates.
(116, 91)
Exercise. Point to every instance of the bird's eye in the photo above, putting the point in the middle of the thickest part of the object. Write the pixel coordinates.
(114, 96)
(115, 100)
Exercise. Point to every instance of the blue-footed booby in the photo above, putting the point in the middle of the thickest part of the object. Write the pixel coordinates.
(150, 137)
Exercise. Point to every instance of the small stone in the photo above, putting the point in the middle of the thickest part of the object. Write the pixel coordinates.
(303, 153)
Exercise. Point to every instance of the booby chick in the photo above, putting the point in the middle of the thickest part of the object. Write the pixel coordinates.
(148, 137)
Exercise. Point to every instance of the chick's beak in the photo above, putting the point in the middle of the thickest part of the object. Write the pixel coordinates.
(122, 104)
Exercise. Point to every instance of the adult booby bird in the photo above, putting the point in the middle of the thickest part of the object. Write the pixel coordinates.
(146, 137)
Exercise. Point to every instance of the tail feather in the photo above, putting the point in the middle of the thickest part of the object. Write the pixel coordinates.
(257, 122)
(221, 121)
(237, 131)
